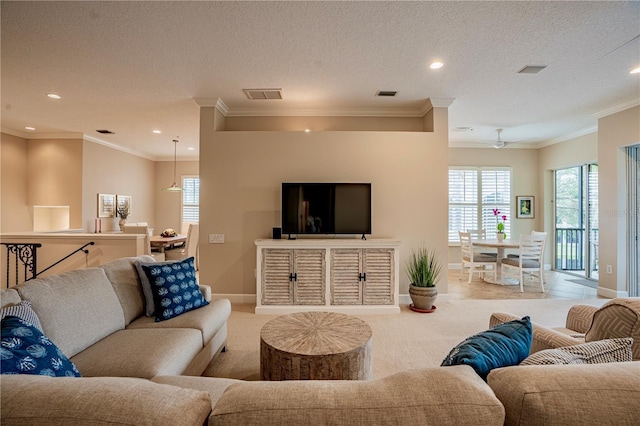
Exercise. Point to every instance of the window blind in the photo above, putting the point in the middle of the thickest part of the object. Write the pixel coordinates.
(191, 199)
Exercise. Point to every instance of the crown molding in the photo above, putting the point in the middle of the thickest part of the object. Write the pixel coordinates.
(323, 112)
(616, 108)
(572, 135)
(118, 147)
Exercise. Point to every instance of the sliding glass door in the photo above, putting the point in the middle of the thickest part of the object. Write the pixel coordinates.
(576, 224)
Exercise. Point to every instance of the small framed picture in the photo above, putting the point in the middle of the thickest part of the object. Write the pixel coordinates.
(525, 206)
(106, 205)
(123, 203)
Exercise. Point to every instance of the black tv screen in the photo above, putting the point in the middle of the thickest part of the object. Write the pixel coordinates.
(326, 208)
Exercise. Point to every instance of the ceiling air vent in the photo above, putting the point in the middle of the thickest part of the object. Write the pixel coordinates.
(391, 93)
(255, 94)
(105, 132)
(532, 69)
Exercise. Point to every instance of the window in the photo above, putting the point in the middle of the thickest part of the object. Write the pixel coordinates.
(473, 194)
(191, 199)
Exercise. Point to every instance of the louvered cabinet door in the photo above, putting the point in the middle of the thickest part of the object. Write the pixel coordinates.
(378, 286)
(277, 288)
(346, 287)
(309, 285)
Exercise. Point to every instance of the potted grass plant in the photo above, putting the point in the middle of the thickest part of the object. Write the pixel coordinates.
(423, 269)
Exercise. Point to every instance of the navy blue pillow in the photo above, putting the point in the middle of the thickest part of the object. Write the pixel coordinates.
(501, 346)
(174, 287)
(26, 350)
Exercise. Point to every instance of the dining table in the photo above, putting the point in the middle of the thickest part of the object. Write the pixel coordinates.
(501, 246)
(161, 243)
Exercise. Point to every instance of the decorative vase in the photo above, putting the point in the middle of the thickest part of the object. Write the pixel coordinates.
(423, 298)
(121, 223)
(500, 237)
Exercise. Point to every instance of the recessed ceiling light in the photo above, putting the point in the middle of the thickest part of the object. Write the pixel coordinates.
(54, 96)
(30, 128)
(157, 132)
(635, 71)
(191, 148)
(436, 65)
(307, 130)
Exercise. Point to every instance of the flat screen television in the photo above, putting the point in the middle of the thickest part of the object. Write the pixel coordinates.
(326, 208)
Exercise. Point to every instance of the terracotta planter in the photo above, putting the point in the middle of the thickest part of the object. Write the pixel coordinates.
(423, 298)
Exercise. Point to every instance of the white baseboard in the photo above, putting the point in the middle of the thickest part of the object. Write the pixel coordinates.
(611, 294)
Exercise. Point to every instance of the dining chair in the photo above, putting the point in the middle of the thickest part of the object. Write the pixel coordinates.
(144, 229)
(515, 255)
(475, 262)
(530, 259)
(480, 234)
(190, 247)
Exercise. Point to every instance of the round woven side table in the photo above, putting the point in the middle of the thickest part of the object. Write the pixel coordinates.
(315, 346)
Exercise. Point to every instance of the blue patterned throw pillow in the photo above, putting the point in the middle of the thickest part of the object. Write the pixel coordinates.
(25, 350)
(174, 287)
(501, 346)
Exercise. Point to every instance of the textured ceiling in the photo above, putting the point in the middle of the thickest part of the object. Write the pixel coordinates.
(132, 67)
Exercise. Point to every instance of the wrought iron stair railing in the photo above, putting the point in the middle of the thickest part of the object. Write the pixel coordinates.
(27, 254)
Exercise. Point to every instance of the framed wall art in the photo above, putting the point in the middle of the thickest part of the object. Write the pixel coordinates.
(525, 206)
(123, 203)
(106, 205)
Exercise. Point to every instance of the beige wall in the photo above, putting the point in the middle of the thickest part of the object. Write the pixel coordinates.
(14, 212)
(109, 171)
(168, 205)
(54, 168)
(241, 173)
(524, 165)
(614, 133)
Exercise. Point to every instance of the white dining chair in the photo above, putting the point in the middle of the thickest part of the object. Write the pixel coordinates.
(144, 229)
(473, 261)
(480, 234)
(190, 247)
(529, 261)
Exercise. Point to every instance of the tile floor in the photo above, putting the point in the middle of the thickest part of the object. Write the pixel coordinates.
(556, 286)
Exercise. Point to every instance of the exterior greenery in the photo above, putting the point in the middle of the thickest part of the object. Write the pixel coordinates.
(424, 267)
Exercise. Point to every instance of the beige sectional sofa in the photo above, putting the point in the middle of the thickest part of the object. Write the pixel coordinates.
(95, 316)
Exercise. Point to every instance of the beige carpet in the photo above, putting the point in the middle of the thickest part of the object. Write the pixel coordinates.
(400, 342)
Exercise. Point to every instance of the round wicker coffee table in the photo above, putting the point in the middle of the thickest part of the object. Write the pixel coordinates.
(315, 346)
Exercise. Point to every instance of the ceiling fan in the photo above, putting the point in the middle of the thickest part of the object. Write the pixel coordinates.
(498, 143)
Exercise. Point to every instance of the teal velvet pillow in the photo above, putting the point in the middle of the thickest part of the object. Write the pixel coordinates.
(501, 346)
(26, 350)
(174, 287)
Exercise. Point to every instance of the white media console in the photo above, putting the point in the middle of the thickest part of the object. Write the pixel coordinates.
(341, 275)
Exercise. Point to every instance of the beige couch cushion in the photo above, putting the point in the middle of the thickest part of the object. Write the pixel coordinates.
(596, 394)
(124, 278)
(214, 386)
(617, 318)
(9, 297)
(76, 309)
(435, 396)
(140, 353)
(39, 400)
(208, 319)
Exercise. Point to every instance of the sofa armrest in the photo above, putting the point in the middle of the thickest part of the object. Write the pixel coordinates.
(206, 292)
(543, 337)
(580, 317)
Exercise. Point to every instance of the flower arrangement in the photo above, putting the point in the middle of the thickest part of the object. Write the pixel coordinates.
(123, 211)
(500, 219)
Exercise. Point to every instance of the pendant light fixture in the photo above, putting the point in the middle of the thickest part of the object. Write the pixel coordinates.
(174, 187)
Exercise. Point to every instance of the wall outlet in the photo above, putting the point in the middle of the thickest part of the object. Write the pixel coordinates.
(216, 238)
(609, 269)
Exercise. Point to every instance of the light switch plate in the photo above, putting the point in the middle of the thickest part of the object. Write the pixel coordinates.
(216, 238)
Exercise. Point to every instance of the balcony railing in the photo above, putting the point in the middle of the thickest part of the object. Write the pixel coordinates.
(570, 251)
